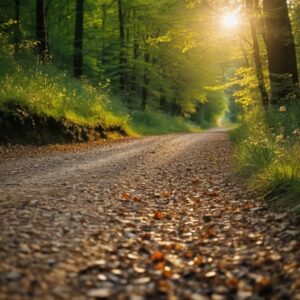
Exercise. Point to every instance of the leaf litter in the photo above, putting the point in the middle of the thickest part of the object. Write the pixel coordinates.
(173, 224)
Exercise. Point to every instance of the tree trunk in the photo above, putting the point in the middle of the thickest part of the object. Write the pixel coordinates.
(122, 54)
(281, 50)
(259, 20)
(103, 52)
(136, 47)
(103, 59)
(41, 30)
(17, 35)
(135, 55)
(176, 108)
(78, 41)
(129, 33)
(251, 8)
(145, 84)
(133, 77)
(245, 55)
(162, 101)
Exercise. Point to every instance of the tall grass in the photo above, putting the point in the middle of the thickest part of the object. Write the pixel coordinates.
(155, 122)
(47, 90)
(268, 153)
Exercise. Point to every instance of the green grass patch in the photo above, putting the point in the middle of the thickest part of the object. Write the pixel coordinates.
(268, 154)
(46, 91)
(155, 123)
(49, 91)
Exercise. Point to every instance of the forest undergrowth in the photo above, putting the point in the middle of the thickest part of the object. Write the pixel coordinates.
(267, 152)
(45, 90)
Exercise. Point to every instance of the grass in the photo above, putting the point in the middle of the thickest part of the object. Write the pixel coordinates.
(49, 91)
(268, 154)
(46, 90)
(155, 123)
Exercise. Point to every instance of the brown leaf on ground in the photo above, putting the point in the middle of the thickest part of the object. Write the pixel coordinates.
(157, 256)
(160, 266)
(94, 223)
(125, 196)
(166, 194)
(158, 215)
(137, 198)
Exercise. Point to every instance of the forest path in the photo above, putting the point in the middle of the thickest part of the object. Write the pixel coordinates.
(153, 218)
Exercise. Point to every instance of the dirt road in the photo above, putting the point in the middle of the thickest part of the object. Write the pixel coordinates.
(152, 218)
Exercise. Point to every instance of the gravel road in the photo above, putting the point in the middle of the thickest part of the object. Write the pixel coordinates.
(151, 218)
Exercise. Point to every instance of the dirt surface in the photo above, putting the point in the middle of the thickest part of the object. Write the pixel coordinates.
(19, 124)
(153, 218)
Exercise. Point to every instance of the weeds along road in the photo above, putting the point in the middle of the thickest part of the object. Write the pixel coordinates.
(153, 218)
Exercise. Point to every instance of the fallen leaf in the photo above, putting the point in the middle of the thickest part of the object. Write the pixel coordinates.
(263, 281)
(137, 198)
(195, 180)
(157, 256)
(158, 215)
(167, 273)
(188, 254)
(160, 266)
(146, 236)
(232, 282)
(198, 260)
(166, 194)
(125, 196)
(165, 286)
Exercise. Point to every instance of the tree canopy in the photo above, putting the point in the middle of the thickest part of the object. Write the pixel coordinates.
(166, 55)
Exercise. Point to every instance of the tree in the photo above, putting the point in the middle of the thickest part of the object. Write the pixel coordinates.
(41, 31)
(145, 92)
(252, 7)
(281, 51)
(78, 40)
(148, 52)
(103, 44)
(17, 35)
(122, 55)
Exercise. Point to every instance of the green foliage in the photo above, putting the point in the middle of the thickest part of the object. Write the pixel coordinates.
(162, 56)
(209, 113)
(155, 122)
(268, 147)
(47, 90)
(6, 49)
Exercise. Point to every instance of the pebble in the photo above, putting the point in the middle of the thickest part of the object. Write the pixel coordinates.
(207, 240)
(13, 275)
(100, 293)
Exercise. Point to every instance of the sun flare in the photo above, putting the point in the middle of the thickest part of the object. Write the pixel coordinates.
(230, 20)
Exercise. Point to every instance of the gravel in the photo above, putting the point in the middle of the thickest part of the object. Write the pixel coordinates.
(150, 218)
